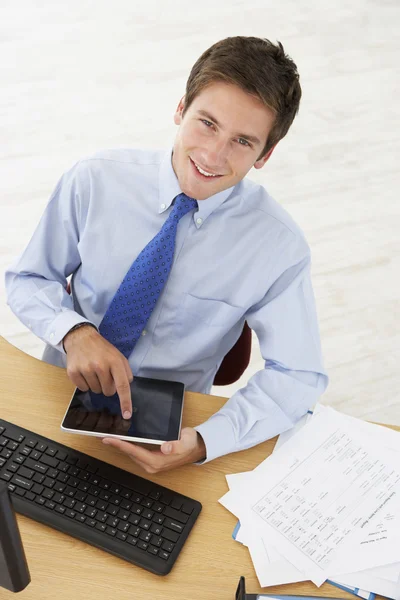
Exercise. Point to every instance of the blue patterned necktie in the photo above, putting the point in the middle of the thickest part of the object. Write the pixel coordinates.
(136, 297)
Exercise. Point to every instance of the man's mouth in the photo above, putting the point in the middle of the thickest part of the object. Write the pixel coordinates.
(202, 173)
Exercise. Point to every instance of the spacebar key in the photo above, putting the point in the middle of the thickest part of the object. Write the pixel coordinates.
(23, 483)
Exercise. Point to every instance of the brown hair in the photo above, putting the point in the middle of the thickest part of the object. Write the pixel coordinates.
(258, 67)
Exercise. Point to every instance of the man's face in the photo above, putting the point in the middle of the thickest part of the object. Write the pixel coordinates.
(223, 132)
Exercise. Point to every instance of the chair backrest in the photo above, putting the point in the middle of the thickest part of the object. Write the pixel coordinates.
(235, 362)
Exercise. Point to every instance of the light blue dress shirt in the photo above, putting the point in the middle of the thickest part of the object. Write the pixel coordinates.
(239, 257)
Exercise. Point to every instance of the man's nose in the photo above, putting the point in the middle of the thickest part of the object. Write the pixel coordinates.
(218, 153)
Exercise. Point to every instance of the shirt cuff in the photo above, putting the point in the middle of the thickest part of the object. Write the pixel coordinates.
(61, 325)
(218, 436)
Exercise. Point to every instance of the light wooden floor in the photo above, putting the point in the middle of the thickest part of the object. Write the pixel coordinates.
(85, 75)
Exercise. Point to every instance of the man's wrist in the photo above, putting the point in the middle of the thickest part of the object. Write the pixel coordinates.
(74, 328)
(201, 451)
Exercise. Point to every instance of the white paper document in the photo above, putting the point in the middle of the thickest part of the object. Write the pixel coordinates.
(327, 502)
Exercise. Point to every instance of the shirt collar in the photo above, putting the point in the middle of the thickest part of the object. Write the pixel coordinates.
(169, 188)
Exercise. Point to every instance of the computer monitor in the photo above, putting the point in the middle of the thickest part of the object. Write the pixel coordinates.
(14, 572)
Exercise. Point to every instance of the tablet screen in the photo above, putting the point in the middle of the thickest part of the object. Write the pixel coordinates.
(156, 411)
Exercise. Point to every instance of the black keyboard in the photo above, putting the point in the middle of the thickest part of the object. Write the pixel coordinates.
(112, 509)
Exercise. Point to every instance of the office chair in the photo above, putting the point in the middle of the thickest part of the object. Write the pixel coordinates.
(235, 362)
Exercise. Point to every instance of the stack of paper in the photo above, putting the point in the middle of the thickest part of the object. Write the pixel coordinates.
(324, 506)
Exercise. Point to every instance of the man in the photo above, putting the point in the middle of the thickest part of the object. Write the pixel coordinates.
(235, 256)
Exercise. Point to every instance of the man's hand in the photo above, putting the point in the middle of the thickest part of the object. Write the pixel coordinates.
(93, 363)
(189, 449)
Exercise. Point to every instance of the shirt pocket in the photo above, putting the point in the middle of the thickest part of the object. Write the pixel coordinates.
(214, 313)
(201, 323)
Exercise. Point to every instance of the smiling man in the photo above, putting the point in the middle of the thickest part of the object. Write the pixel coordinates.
(172, 251)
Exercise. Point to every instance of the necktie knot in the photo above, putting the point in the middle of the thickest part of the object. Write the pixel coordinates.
(182, 205)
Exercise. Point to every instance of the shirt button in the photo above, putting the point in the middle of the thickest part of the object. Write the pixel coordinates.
(199, 221)
(163, 206)
(30, 325)
(51, 335)
(144, 332)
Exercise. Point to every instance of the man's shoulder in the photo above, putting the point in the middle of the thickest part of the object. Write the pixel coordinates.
(266, 206)
(129, 156)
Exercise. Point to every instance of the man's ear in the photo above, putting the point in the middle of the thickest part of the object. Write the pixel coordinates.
(261, 162)
(179, 110)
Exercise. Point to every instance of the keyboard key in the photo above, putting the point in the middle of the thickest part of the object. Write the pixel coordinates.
(40, 500)
(31, 443)
(90, 522)
(61, 455)
(16, 437)
(158, 519)
(21, 482)
(175, 514)
(147, 503)
(156, 541)
(134, 519)
(132, 540)
(170, 535)
(30, 496)
(144, 524)
(142, 545)
(152, 550)
(154, 494)
(36, 455)
(26, 473)
(70, 513)
(50, 504)
(168, 546)
(123, 514)
(174, 525)
(49, 461)
(112, 522)
(121, 536)
(6, 476)
(69, 502)
(145, 536)
(135, 531)
(20, 491)
(111, 531)
(61, 509)
(25, 450)
(48, 482)
(80, 518)
(41, 446)
(176, 503)
(19, 459)
(12, 467)
(12, 487)
(8, 453)
(147, 514)
(36, 466)
(80, 496)
(38, 478)
(156, 529)
(91, 512)
(126, 505)
(48, 494)
(166, 498)
(51, 451)
(123, 526)
(187, 508)
(101, 526)
(163, 554)
(157, 507)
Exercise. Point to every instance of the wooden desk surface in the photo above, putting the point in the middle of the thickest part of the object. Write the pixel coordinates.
(35, 395)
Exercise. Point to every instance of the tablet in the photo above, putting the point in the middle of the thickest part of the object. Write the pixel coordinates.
(156, 412)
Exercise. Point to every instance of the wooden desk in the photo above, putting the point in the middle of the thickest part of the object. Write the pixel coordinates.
(34, 395)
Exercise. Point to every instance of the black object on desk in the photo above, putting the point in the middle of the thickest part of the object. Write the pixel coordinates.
(124, 514)
(14, 572)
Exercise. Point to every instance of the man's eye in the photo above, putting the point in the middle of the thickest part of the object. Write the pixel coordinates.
(207, 123)
(246, 143)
